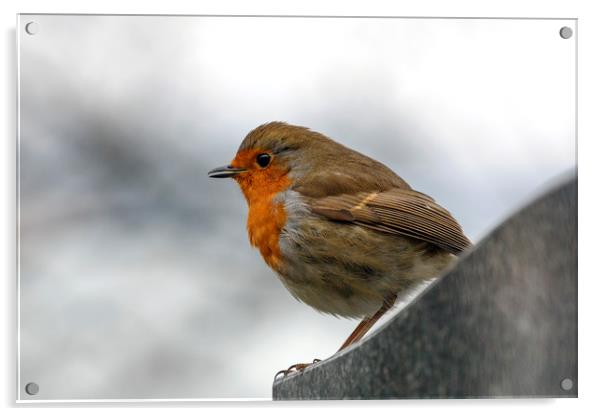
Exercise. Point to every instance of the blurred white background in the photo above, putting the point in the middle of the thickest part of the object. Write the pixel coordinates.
(137, 279)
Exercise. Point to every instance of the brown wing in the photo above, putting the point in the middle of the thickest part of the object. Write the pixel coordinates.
(396, 211)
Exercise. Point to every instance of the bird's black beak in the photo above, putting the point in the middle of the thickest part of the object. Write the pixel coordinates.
(225, 172)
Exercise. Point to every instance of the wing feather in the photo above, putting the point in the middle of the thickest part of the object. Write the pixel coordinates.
(396, 211)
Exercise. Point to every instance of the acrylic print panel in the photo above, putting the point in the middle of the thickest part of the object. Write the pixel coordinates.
(136, 277)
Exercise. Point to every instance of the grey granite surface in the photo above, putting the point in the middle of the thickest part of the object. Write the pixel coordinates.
(501, 323)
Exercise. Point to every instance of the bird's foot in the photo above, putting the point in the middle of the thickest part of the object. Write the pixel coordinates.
(295, 368)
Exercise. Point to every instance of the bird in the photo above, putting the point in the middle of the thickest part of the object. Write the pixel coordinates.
(343, 232)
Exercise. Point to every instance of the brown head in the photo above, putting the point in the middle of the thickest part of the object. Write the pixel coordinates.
(278, 156)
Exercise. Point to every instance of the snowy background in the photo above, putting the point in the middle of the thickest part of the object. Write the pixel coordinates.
(136, 276)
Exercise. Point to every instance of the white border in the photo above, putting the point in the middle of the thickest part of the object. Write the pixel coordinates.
(18, 205)
(590, 28)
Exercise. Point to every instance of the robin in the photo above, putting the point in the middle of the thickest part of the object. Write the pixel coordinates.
(342, 231)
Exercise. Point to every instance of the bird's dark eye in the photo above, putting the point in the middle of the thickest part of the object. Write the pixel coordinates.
(263, 159)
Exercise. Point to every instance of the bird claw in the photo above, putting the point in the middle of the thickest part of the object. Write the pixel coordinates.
(299, 367)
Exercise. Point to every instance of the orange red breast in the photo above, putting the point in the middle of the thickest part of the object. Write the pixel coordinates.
(267, 217)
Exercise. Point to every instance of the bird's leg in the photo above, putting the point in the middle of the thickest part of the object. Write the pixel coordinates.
(365, 325)
(296, 367)
(357, 334)
(358, 329)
